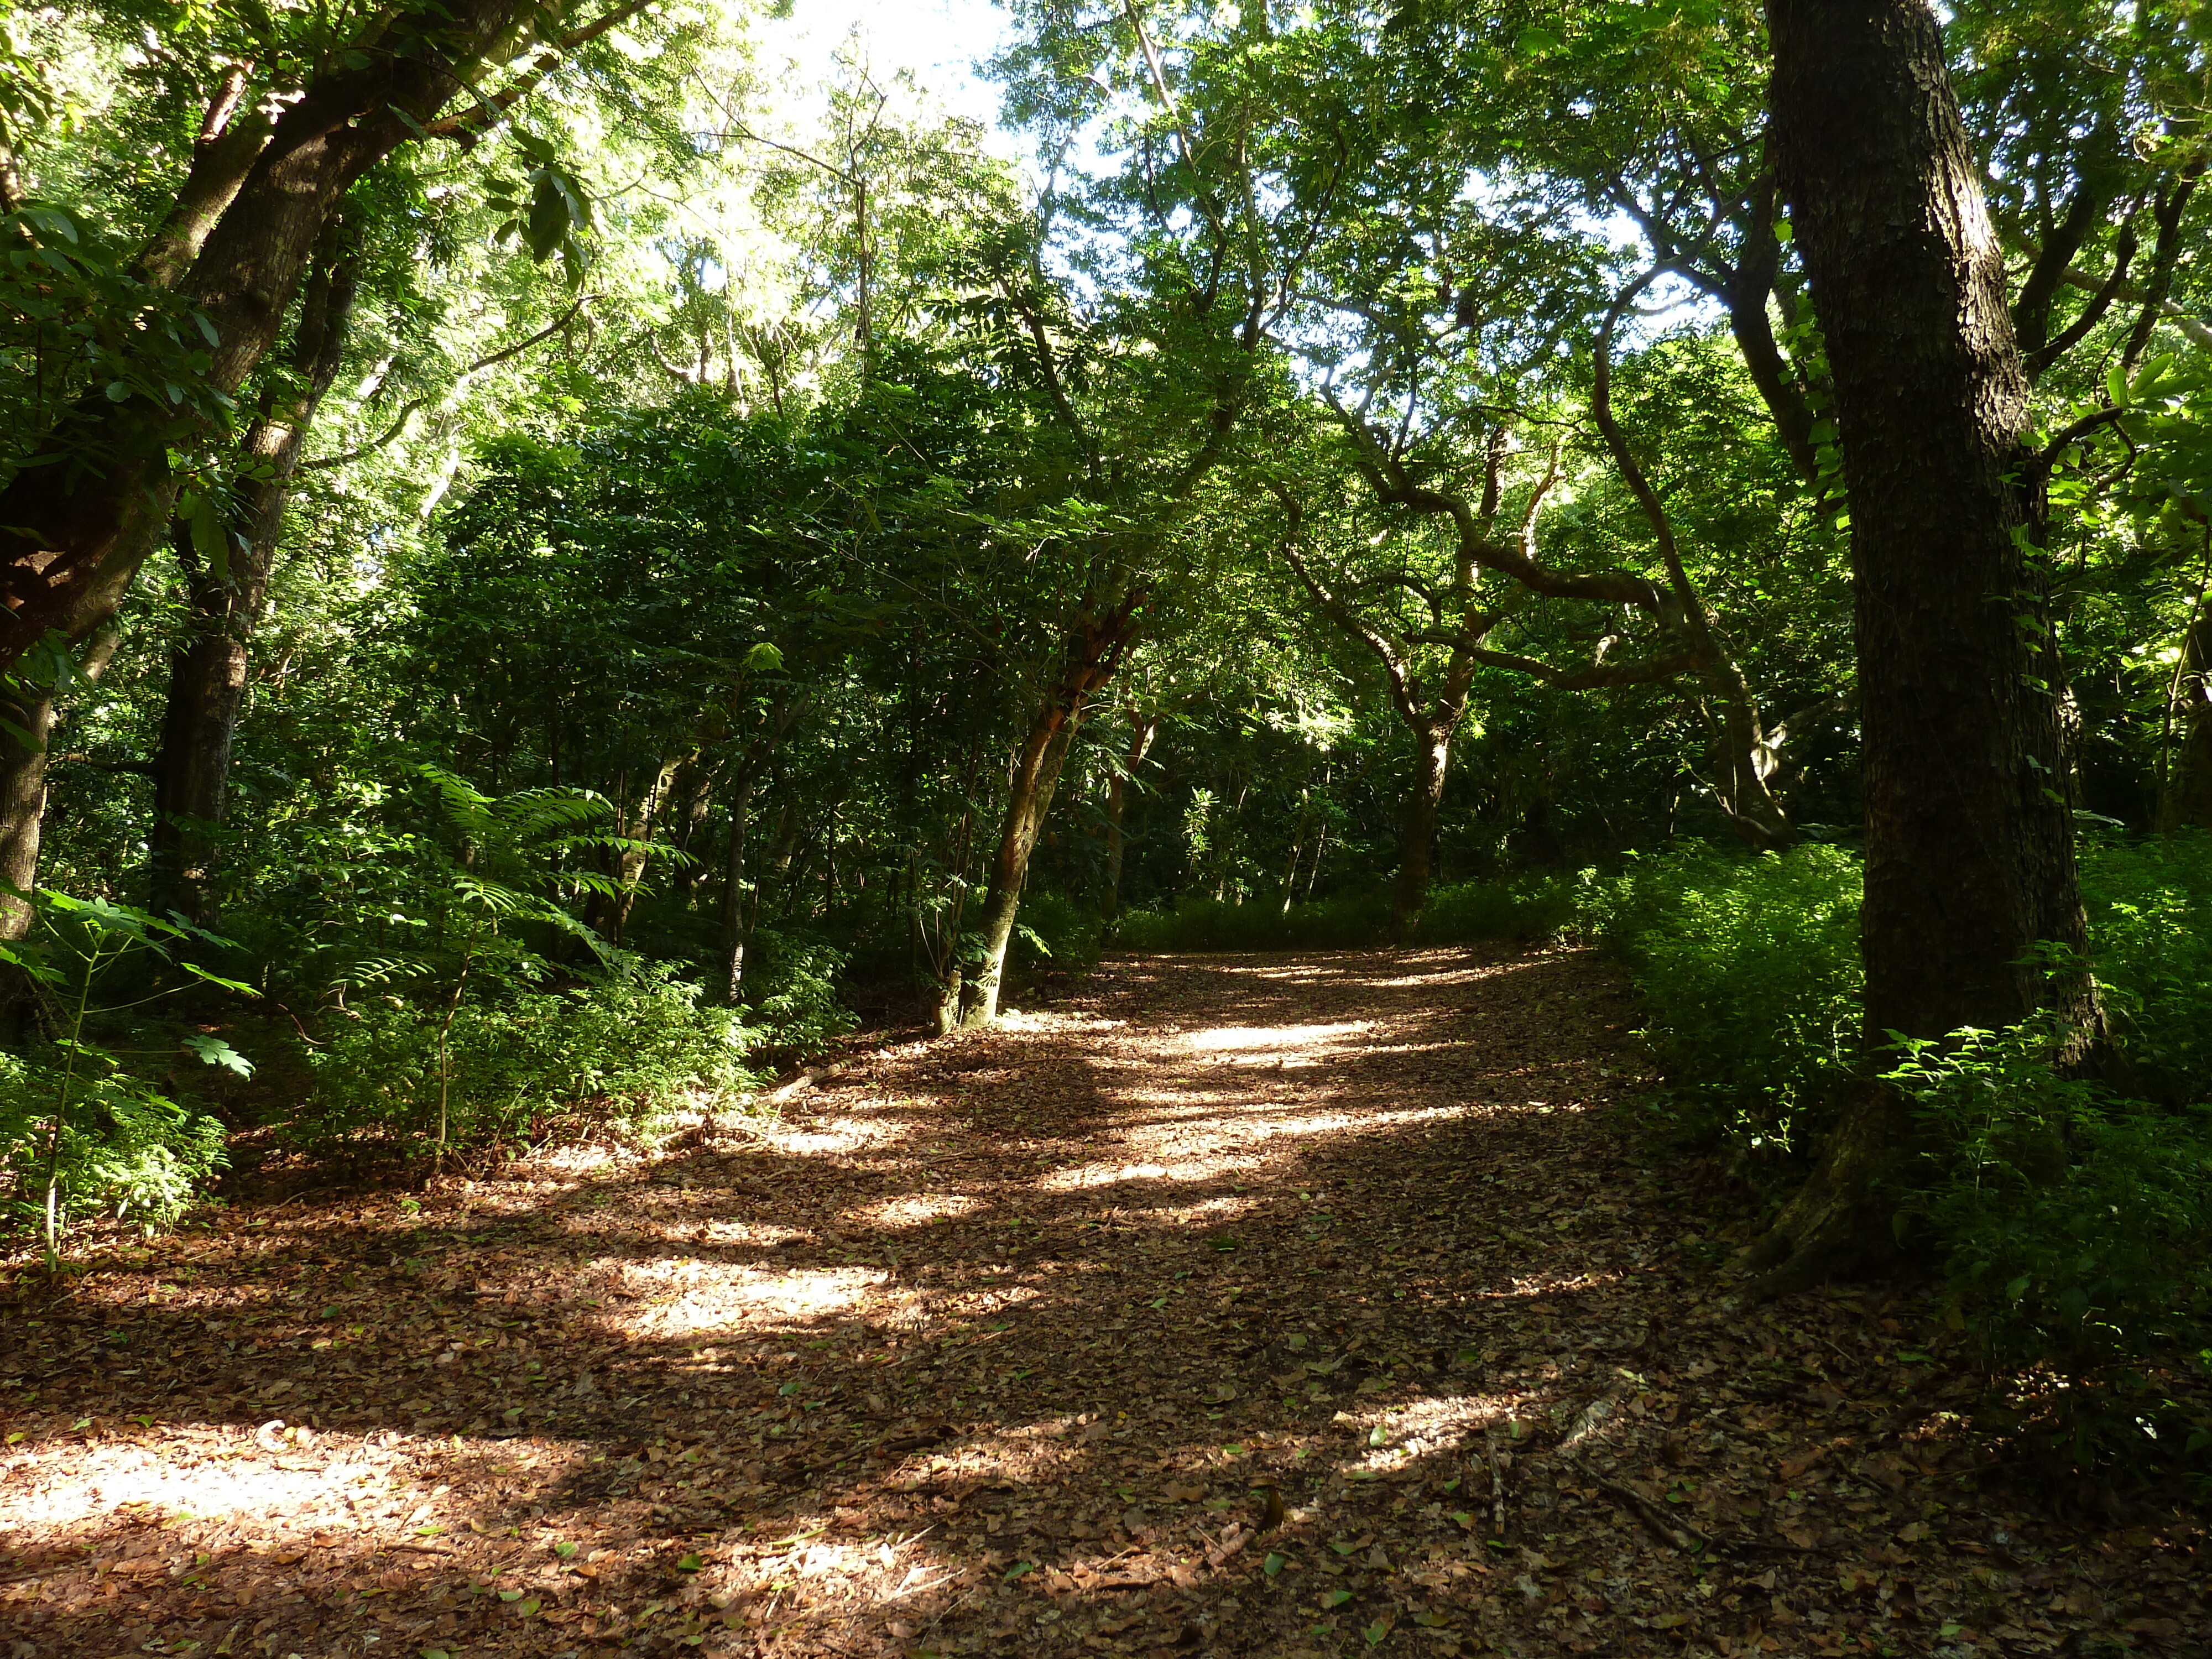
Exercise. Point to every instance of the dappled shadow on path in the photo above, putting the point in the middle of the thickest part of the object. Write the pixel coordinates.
(1263, 1305)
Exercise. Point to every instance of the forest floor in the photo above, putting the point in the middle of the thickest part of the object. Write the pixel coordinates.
(1257, 1305)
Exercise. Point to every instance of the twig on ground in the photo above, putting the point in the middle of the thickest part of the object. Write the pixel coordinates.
(1497, 1486)
(1680, 1535)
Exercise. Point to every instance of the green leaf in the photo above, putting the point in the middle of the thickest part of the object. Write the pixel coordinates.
(688, 1564)
(1336, 1598)
(199, 972)
(209, 538)
(1273, 1565)
(215, 1051)
(564, 1549)
(1020, 1570)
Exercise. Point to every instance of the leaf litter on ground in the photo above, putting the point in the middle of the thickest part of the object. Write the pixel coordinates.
(1276, 1305)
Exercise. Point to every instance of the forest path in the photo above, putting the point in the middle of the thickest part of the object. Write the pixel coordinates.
(1244, 1305)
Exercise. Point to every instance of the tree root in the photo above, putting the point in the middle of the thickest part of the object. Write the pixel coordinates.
(1838, 1226)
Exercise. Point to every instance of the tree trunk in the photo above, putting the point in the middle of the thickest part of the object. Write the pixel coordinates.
(24, 785)
(1418, 835)
(2185, 800)
(1091, 653)
(1029, 798)
(609, 913)
(694, 790)
(1744, 758)
(735, 914)
(1140, 743)
(70, 540)
(1969, 840)
(207, 670)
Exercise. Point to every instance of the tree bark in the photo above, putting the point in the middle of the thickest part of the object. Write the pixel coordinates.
(207, 670)
(1092, 651)
(1969, 840)
(1141, 733)
(23, 784)
(735, 915)
(1418, 835)
(1036, 774)
(73, 532)
(2185, 794)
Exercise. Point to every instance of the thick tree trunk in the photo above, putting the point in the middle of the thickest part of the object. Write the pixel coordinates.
(70, 540)
(22, 803)
(24, 785)
(1416, 844)
(207, 670)
(1969, 840)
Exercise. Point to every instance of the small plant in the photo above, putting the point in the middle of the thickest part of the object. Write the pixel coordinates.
(2075, 1223)
(1749, 968)
(625, 1046)
(79, 1129)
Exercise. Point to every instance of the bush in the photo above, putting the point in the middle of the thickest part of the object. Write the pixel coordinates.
(1058, 931)
(1749, 969)
(624, 1047)
(2073, 1224)
(104, 1142)
(1453, 915)
(2150, 921)
(80, 1131)
(2073, 1218)
(791, 998)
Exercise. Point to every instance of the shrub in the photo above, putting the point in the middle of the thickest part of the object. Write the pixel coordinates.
(1456, 915)
(2073, 1224)
(625, 1046)
(792, 998)
(2150, 921)
(1749, 971)
(73, 1144)
(79, 1130)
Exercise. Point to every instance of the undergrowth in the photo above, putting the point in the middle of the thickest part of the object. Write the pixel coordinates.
(2071, 1219)
(1462, 913)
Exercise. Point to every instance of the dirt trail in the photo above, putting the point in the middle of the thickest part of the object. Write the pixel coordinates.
(1255, 1305)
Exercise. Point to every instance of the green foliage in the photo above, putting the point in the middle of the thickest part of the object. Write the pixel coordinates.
(1462, 913)
(621, 1050)
(82, 1128)
(2150, 915)
(2072, 1217)
(2075, 1223)
(98, 1139)
(1749, 968)
(792, 994)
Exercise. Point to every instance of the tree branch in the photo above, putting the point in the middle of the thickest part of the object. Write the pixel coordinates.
(407, 410)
